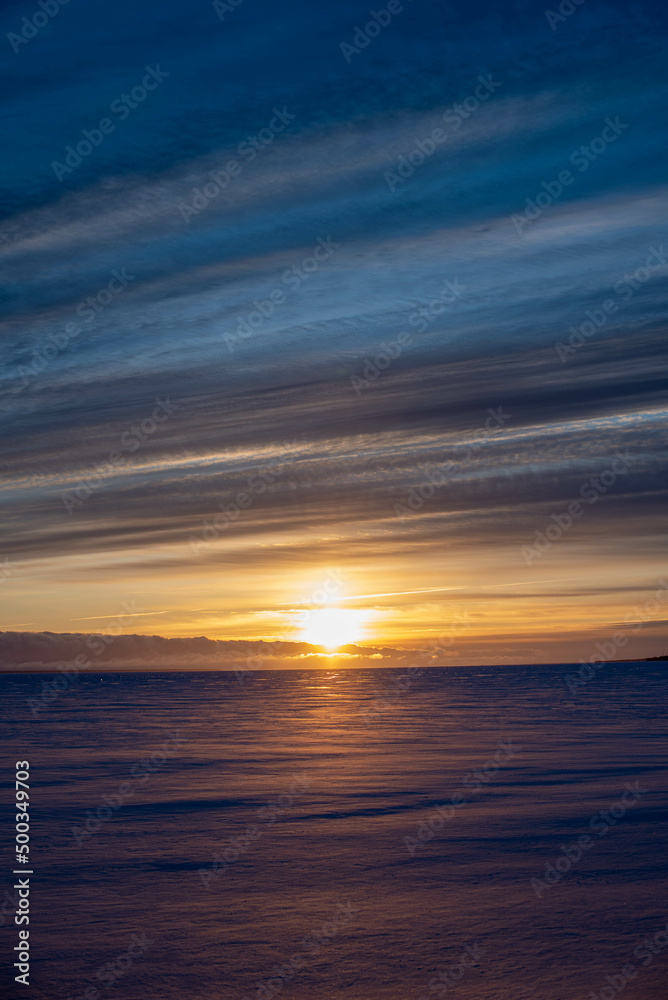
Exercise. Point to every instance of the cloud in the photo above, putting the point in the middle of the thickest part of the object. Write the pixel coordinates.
(49, 650)
(285, 395)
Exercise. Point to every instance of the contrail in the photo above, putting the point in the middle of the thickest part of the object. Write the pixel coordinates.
(436, 590)
(130, 614)
(432, 590)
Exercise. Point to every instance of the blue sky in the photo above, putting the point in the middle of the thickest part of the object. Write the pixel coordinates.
(323, 254)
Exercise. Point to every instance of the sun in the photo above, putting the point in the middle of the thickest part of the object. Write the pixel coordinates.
(333, 627)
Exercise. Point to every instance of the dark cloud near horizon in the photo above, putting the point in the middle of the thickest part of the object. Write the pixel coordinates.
(76, 652)
(52, 649)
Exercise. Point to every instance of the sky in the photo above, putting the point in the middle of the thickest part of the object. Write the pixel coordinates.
(318, 323)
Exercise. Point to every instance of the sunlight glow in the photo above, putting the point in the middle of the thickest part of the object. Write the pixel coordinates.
(333, 627)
